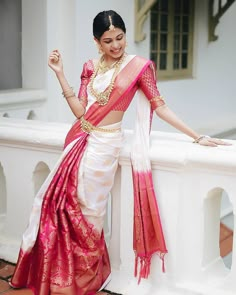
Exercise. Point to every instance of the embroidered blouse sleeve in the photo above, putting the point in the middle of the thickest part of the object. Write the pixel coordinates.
(147, 83)
(85, 78)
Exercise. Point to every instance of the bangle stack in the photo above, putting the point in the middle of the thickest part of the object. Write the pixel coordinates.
(68, 93)
(197, 140)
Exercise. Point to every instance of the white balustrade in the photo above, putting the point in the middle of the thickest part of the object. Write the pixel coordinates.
(28, 150)
(23, 103)
(189, 181)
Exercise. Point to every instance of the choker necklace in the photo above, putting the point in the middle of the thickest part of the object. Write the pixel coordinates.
(103, 67)
(103, 97)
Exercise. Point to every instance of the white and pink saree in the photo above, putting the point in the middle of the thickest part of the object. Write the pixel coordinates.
(63, 247)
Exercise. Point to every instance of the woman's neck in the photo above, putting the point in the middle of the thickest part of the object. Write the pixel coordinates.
(109, 61)
(106, 63)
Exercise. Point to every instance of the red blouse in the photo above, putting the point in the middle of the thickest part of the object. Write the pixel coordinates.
(146, 83)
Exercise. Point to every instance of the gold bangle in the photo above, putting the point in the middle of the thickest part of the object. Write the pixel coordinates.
(65, 92)
(68, 96)
(68, 93)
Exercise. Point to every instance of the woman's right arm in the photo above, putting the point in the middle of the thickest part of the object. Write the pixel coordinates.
(55, 63)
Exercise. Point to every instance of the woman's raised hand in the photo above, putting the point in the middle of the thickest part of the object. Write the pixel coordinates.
(55, 61)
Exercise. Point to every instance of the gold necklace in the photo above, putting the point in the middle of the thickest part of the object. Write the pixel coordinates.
(102, 98)
(103, 67)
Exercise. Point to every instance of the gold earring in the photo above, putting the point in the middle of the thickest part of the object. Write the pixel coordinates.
(100, 51)
(99, 47)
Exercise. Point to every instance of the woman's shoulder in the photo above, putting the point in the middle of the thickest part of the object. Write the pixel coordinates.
(88, 68)
(91, 63)
(139, 57)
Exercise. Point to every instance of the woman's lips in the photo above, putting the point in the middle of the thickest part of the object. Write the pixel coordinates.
(116, 51)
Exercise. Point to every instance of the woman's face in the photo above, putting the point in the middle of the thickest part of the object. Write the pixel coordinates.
(113, 43)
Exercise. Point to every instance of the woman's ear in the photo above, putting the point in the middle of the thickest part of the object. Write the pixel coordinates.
(96, 41)
(98, 44)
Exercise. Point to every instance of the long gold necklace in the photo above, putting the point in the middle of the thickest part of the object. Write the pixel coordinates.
(103, 97)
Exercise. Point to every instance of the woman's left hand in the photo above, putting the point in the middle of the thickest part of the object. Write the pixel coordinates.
(208, 141)
(55, 61)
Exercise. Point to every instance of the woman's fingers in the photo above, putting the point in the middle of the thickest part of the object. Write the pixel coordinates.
(55, 61)
(219, 141)
(206, 142)
(54, 56)
(212, 142)
(57, 53)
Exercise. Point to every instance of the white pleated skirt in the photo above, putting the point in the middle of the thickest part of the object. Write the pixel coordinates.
(97, 171)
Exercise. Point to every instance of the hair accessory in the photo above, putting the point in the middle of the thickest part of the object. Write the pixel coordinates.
(111, 27)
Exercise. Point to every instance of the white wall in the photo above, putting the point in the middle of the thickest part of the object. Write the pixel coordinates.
(61, 35)
(34, 44)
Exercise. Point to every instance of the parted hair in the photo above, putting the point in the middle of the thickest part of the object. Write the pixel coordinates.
(101, 23)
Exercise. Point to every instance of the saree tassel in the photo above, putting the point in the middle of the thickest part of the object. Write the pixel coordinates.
(144, 270)
(136, 266)
(140, 271)
(163, 264)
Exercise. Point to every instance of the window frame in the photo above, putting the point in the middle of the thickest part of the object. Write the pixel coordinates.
(170, 72)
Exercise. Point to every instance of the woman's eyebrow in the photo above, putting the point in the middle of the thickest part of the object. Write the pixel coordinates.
(121, 34)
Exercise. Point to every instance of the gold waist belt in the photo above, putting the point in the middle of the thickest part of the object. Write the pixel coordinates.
(87, 127)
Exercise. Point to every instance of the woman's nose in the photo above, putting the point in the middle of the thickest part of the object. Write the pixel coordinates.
(115, 44)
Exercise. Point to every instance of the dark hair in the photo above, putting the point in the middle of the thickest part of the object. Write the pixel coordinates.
(101, 23)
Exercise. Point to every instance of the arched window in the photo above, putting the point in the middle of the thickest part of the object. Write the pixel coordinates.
(40, 174)
(226, 229)
(218, 234)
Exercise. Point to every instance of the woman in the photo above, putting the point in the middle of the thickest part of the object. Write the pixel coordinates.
(63, 250)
